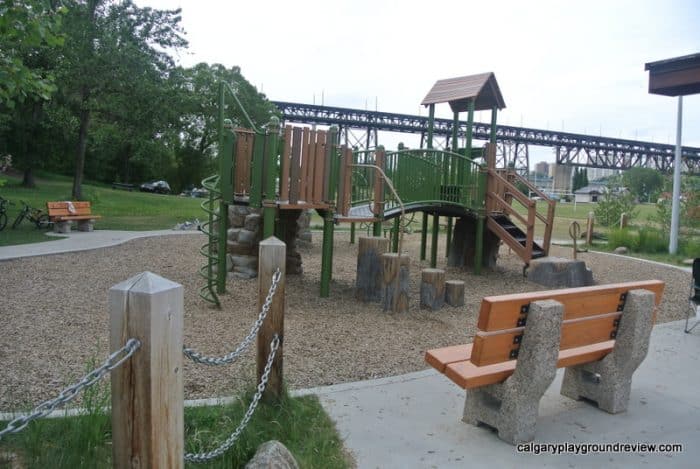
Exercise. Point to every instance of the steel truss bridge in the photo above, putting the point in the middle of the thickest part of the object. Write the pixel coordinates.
(570, 148)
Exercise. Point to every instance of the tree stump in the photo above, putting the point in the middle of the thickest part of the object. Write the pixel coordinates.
(454, 292)
(395, 282)
(368, 285)
(589, 228)
(432, 289)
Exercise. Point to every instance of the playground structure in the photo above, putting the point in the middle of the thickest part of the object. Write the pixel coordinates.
(284, 171)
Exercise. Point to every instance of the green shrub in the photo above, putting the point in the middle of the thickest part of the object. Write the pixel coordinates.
(652, 241)
(690, 248)
(623, 237)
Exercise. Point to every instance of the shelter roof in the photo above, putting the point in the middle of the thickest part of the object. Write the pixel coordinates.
(679, 76)
(483, 88)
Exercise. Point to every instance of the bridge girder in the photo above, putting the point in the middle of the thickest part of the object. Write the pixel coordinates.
(576, 149)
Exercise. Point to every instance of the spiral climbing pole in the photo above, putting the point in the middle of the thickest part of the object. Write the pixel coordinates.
(209, 250)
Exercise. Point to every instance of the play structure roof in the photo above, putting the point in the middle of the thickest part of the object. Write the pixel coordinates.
(483, 88)
(679, 76)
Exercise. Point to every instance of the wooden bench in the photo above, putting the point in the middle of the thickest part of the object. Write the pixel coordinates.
(63, 213)
(600, 334)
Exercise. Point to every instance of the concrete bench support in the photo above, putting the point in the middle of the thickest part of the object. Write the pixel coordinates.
(608, 381)
(86, 225)
(511, 407)
(62, 227)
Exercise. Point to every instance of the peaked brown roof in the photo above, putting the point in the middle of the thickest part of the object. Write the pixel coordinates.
(458, 91)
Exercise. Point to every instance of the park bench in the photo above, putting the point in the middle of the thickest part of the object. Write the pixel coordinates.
(62, 214)
(600, 334)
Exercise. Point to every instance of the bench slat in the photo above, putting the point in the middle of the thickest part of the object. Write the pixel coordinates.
(468, 376)
(439, 358)
(496, 347)
(503, 312)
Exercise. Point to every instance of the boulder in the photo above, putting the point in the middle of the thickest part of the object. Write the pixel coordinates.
(559, 272)
(620, 250)
(272, 455)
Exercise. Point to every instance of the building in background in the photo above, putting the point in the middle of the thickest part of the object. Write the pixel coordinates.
(542, 168)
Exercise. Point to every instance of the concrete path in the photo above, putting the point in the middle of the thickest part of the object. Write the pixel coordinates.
(82, 241)
(414, 420)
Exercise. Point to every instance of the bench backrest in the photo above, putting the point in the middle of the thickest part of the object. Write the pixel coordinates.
(61, 209)
(591, 316)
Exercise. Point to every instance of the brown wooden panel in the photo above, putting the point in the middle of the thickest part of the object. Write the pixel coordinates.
(295, 166)
(286, 162)
(490, 348)
(467, 375)
(439, 358)
(378, 182)
(502, 312)
(303, 164)
(319, 166)
(242, 161)
(311, 163)
(81, 210)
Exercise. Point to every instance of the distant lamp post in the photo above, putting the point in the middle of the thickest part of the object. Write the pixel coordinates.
(680, 77)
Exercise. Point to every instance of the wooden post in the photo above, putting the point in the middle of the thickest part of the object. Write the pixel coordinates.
(589, 228)
(273, 255)
(432, 289)
(395, 282)
(623, 220)
(147, 389)
(454, 292)
(368, 285)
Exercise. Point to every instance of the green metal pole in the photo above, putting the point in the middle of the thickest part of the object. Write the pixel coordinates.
(479, 248)
(448, 178)
(327, 255)
(494, 112)
(226, 188)
(431, 124)
(423, 235)
(273, 130)
(395, 234)
(352, 233)
(434, 241)
(470, 128)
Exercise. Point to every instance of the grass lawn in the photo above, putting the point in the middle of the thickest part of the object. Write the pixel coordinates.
(120, 210)
(76, 442)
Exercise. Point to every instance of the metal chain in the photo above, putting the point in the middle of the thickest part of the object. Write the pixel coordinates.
(231, 440)
(197, 357)
(68, 394)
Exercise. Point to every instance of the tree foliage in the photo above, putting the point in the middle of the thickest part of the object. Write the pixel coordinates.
(643, 183)
(613, 204)
(27, 27)
(108, 102)
(580, 179)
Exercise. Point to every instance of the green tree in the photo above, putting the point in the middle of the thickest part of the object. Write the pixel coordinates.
(613, 204)
(25, 27)
(112, 48)
(643, 182)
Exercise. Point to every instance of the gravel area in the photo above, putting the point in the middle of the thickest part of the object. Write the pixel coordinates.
(54, 320)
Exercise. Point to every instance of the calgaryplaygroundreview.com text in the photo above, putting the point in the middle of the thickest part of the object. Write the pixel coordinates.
(591, 448)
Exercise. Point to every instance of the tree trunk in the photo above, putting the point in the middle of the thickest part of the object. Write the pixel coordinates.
(28, 179)
(82, 144)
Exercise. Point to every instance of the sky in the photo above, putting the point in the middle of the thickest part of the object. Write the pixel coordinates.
(576, 66)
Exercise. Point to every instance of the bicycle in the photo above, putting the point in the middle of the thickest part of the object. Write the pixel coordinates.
(3, 212)
(35, 215)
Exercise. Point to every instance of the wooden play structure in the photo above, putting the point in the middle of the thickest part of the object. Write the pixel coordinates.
(281, 169)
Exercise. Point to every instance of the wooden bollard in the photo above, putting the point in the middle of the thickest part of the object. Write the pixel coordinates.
(147, 389)
(432, 289)
(623, 220)
(273, 255)
(589, 228)
(368, 285)
(395, 282)
(454, 292)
